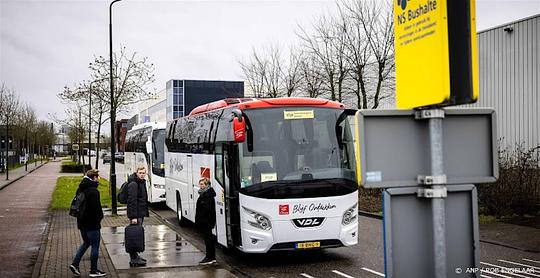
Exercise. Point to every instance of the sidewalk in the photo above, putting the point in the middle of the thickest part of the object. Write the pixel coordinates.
(510, 235)
(18, 173)
(23, 219)
(168, 254)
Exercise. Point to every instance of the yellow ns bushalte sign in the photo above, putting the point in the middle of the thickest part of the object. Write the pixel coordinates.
(436, 54)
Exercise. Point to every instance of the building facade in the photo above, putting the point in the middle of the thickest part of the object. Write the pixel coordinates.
(509, 77)
(182, 96)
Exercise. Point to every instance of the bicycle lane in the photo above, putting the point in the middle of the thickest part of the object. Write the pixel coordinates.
(23, 219)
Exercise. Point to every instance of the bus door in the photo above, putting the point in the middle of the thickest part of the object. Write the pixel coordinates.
(232, 208)
(191, 187)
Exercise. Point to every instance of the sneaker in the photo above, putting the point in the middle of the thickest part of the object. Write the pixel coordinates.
(75, 270)
(97, 273)
(207, 261)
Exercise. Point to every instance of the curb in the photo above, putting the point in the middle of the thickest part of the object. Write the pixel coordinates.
(36, 270)
(508, 246)
(369, 214)
(20, 177)
(376, 216)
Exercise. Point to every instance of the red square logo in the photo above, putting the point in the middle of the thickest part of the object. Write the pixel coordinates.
(283, 209)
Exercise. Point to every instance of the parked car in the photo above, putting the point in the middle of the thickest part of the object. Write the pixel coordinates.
(107, 158)
(119, 157)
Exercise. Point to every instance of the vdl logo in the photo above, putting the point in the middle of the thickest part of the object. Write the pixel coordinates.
(402, 4)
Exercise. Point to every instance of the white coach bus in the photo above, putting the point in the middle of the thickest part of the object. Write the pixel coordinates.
(284, 171)
(145, 145)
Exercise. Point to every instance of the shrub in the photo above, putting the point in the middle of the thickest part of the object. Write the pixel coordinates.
(517, 191)
(370, 199)
(73, 167)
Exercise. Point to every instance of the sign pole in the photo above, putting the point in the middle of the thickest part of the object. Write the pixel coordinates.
(437, 203)
(437, 187)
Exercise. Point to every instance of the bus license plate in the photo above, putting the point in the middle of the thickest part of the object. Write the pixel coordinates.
(308, 245)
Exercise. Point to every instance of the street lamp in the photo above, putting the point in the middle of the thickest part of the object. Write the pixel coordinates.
(113, 116)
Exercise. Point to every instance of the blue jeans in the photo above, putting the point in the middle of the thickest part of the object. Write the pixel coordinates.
(90, 238)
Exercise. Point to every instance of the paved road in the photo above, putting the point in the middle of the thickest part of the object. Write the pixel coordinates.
(23, 219)
(363, 260)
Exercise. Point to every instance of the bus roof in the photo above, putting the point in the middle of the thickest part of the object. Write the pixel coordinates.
(254, 103)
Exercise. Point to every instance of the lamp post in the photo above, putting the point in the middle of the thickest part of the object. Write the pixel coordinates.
(7, 147)
(113, 117)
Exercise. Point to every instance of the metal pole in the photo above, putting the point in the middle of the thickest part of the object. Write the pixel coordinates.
(7, 146)
(437, 203)
(90, 125)
(112, 179)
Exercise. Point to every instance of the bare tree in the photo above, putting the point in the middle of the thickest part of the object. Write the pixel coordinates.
(97, 90)
(311, 78)
(291, 74)
(327, 45)
(9, 106)
(254, 71)
(131, 75)
(372, 33)
(27, 122)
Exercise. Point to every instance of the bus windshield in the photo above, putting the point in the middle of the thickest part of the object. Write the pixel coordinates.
(297, 144)
(158, 155)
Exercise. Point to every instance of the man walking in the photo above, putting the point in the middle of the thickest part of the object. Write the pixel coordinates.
(205, 219)
(137, 208)
(89, 223)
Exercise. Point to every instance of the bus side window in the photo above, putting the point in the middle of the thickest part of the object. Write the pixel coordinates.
(219, 163)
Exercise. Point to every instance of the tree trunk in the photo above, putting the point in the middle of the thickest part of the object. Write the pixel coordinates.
(98, 134)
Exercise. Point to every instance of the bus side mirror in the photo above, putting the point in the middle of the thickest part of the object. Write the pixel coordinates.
(149, 146)
(239, 130)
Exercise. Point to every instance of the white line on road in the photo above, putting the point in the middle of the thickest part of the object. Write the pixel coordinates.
(373, 271)
(532, 261)
(526, 265)
(306, 275)
(496, 274)
(342, 274)
(485, 276)
(504, 267)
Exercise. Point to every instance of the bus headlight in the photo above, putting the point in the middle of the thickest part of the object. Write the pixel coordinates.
(350, 215)
(159, 186)
(258, 220)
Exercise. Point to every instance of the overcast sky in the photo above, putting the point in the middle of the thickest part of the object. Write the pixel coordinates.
(45, 44)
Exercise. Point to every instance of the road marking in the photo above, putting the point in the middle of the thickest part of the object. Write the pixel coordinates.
(482, 275)
(306, 275)
(373, 271)
(342, 274)
(496, 274)
(510, 262)
(529, 260)
(504, 267)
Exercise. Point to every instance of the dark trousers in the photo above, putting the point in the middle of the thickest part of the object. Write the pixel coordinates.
(210, 244)
(134, 255)
(90, 238)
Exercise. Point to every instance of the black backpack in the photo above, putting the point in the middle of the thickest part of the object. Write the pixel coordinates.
(78, 205)
(122, 196)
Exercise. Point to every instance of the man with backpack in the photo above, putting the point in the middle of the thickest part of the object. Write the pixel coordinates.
(86, 206)
(137, 207)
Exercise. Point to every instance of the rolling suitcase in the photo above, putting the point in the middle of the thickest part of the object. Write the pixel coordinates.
(134, 238)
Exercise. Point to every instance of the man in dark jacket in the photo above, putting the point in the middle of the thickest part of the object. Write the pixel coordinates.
(89, 223)
(205, 219)
(137, 207)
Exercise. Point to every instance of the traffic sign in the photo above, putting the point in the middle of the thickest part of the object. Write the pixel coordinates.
(395, 149)
(436, 53)
(408, 234)
(75, 147)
